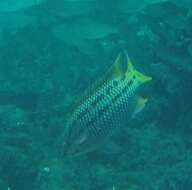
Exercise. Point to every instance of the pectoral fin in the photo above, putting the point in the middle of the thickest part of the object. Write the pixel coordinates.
(140, 105)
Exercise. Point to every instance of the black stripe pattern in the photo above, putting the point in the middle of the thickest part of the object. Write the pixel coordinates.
(103, 111)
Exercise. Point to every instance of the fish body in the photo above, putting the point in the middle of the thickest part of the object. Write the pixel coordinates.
(103, 108)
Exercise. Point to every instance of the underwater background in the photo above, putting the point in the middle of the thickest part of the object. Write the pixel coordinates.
(52, 50)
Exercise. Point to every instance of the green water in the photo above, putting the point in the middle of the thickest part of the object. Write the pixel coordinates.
(51, 51)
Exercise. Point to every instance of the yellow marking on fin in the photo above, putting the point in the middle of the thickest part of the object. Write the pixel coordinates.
(140, 105)
(141, 101)
(130, 66)
(117, 69)
(142, 78)
(132, 71)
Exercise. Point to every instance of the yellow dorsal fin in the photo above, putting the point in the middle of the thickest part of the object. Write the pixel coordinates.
(130, 66)
(117, 68)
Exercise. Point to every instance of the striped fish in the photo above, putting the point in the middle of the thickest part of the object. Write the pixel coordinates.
(103, 108)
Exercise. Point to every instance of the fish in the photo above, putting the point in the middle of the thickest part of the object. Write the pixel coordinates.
(84, 28)
(84, 33)
(103, 108)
